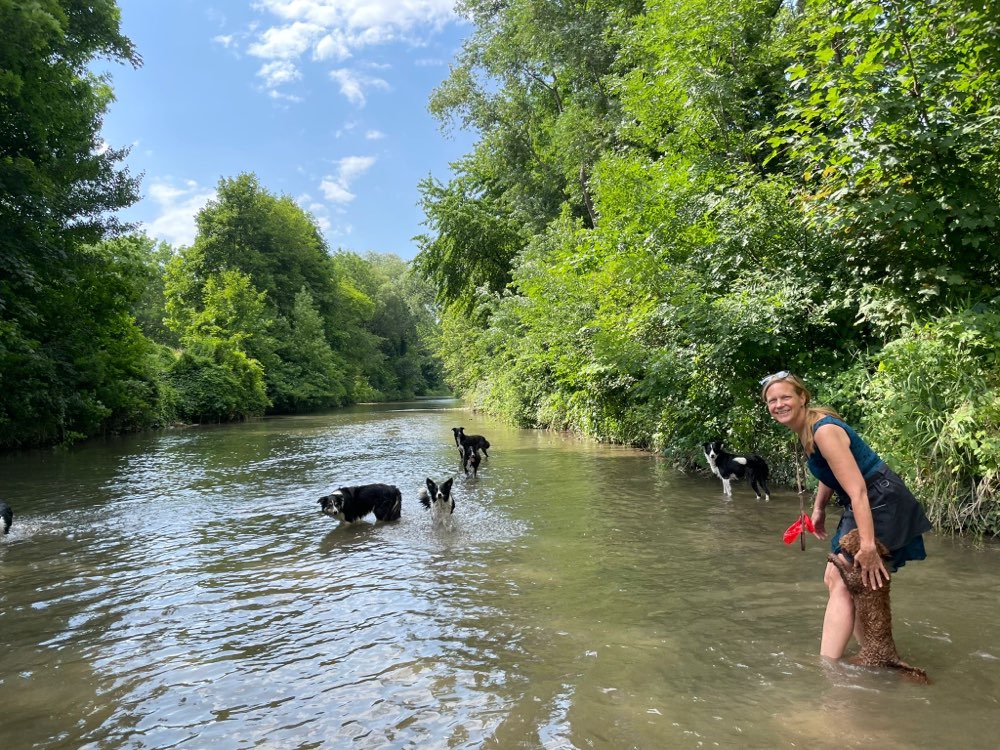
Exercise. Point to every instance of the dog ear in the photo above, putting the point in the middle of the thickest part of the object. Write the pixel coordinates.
(431, 487)
(446, 487)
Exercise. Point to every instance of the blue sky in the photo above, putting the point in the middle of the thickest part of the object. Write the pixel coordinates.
(324, 100)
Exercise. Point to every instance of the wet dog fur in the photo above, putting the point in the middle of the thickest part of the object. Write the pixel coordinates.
(471, 461)
(476, 442)
(872, 612)
(351, 504)
(438, 500)
(6, 517)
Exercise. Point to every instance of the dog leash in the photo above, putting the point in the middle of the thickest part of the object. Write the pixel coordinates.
(802, 514)
(803, 523)
(798, 529)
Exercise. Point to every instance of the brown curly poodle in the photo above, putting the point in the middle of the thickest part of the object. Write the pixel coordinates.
(872, 610)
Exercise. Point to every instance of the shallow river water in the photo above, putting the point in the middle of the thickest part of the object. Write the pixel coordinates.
(182, 590)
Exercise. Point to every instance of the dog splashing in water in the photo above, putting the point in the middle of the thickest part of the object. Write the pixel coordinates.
(438, 500)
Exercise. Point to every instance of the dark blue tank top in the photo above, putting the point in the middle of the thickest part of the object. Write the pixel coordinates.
(868, 461)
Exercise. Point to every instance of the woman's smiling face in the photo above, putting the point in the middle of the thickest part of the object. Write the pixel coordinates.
(785, 404)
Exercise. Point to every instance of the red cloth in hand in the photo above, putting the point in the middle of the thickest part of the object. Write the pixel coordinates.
(793, 531)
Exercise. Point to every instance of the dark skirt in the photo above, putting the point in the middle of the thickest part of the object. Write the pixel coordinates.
(913, 550)
(899, 519)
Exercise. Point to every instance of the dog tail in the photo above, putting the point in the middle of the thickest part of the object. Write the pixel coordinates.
(425, 497)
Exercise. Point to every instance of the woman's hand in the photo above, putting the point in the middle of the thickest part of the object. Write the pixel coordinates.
(873, 572)
(819, 522)
(823, 495)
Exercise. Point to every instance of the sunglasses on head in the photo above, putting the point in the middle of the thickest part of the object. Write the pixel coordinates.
(775, 376)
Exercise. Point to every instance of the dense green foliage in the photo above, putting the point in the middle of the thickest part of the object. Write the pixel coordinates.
(669, 200)
(268, 321)
(102, 331)
(70, 360)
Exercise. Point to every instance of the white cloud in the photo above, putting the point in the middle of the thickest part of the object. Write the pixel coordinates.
(226, 40)
(278, 72)
(374, 135)
(353, 84)
(364, 16)
(337, 188)
(334, 191)
(286, 42)
(355, 166)
(334, 45)
(177, 208)
(323, 223)
(346, 129)
(337, 29)
(281, 96)
(319, 212)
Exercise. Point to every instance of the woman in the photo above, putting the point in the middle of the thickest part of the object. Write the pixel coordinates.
(876, 501)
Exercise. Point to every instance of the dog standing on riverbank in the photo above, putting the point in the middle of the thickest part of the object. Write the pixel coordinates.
(872, 612)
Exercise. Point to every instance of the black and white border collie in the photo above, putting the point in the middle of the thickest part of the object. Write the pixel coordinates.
(476, 442)
(350, 504)
(438, 500)
(728, 466)
(6, 517)
(471, 461)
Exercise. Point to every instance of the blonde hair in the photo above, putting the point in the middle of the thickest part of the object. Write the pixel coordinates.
(813, 413)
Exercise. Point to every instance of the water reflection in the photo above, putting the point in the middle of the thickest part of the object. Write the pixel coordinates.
(183, 590)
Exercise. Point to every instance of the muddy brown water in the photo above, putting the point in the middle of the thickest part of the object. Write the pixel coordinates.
(182, 590)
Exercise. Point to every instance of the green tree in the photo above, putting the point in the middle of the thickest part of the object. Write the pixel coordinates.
(151, 309)
(531, 81)
(474, 239)
(307, 374)
(91, 370)
(768, 185)
(232, 310)
(892, 125)
(270, 239)
(700, 78)
(60, 186)
(217, 377)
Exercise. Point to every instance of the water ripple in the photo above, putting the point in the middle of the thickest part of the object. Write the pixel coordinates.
(184, 591)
